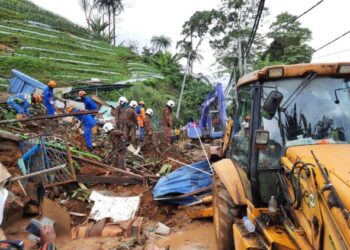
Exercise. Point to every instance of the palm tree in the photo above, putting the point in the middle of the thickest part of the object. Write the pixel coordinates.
(98, 26)
(160, 43)
(113, 8)
(192, 55)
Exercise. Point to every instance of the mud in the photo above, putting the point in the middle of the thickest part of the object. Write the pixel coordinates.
(196, 235)
(185, 233)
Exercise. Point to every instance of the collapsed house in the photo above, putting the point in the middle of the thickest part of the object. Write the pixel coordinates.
(51, 179)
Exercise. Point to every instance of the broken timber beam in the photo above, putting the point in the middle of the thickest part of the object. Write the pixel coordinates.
(88, 179)
(9, 136)
(102, 165)
(44, 117)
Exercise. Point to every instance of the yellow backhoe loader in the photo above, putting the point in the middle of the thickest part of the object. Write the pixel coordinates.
(285, 182)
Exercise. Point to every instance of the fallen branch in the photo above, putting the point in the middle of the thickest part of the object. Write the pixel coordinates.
(110, 168)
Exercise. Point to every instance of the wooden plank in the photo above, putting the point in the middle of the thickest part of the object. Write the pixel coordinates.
(110, 168)
(10, 136)
(201, 213)
(59, 214)
(88, 179)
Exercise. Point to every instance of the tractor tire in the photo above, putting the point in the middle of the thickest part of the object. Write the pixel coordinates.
(225, 214)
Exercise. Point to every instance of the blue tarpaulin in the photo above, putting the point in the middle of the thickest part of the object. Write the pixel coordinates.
(214, 99)
(21, 83)
(182, 181)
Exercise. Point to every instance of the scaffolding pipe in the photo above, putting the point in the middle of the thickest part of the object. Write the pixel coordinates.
(44, 117)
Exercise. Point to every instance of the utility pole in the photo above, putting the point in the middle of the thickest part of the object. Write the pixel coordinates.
(183, 84)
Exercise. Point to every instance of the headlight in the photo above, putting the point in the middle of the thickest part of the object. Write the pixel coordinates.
(275, 72)
(343, 69)
(262, 137)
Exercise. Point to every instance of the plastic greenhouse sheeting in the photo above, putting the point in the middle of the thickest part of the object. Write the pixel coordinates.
(22, 83)
(182, 181)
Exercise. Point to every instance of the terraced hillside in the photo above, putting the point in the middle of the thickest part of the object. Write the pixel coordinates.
(65, 52)
(46, 46)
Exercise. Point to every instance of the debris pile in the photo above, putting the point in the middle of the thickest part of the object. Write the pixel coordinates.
(58, 188)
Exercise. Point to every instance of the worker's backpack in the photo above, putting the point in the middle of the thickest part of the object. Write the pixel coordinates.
(138, 110)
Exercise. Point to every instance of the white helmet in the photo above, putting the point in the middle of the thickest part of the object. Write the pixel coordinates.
(149, 112)
(170, 104)
(133, 104)
(107, 127)
(122, 100)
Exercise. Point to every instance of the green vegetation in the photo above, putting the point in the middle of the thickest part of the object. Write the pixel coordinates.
(229, 28)
(46, 46)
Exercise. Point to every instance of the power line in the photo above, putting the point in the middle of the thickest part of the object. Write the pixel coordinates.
(335, 39)
(250, 43)
(293, 19)
(255, 28)
(331, 54)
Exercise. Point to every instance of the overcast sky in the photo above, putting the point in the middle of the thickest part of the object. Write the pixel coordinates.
(143, 19)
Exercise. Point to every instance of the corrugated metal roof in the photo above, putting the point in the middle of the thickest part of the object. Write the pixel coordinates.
(22, 83)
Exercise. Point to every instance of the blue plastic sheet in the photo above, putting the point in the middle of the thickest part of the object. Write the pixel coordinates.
(182, 181)
(21, 83)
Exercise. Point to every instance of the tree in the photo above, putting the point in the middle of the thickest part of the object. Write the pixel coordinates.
(194, 31)
(98, 27)
(160, 43)
(232, 31)
(113, 8)
(289, 41)
(88, 7)
(190, 53)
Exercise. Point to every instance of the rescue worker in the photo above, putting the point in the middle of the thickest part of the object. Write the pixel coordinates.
(119, 144)
(89, 124)
(49, 98)
(131, 118)
(88, 102)
(21, 103)
(245, 125)
(120, 114)
(149, 136)
(140, 112)
(168, 121)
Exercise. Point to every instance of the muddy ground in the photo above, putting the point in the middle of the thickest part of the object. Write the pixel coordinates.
(185, 233)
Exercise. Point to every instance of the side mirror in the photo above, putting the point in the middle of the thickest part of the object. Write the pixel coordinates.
(272, 103)
(261, 138)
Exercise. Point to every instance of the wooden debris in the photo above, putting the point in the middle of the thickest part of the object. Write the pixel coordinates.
(4, 174)
(200, 213)
(9, 136)
(88, 179)
(58, 214)
(136, 227)
(112, 231)
(110, 168)
(78, 214)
